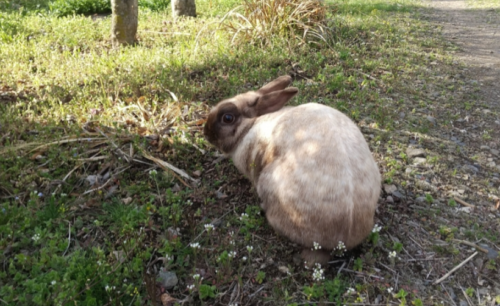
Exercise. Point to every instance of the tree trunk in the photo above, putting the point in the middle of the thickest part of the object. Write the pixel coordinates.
(183, 8)
(125, 22)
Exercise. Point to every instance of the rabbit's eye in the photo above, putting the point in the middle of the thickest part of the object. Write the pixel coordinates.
(228, 118)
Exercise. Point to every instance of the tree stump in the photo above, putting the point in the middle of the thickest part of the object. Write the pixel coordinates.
(124, 18)
(183, 8)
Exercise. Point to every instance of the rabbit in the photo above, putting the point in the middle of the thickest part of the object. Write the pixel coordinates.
(310, 165)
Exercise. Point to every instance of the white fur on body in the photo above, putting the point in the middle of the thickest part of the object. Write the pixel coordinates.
(320, 182)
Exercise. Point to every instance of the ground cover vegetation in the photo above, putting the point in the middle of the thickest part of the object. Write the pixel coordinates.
(109, 195)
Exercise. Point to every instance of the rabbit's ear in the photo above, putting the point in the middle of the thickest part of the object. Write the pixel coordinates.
(278, 84)
(274, 101)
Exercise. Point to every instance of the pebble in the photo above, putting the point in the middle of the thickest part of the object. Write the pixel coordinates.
(491, 164)
(398, 195)
(431, 120)
(419, 160)
(495, 152)
(390, 200)
(425, 185)
(389, 189)
(469, 169)
(414, 152)
(420, 200)
(485, 148)
(168, 279)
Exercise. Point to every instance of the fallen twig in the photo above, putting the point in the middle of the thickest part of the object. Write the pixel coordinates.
(491, 253)
(164, 165)
(463, 202)
(364, 274)
(127, 158)
(65, 141)
(455, 269)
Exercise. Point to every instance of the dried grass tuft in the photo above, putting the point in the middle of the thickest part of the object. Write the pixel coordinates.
(258, 21)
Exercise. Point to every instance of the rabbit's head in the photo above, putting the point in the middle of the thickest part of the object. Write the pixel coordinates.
(230, 120)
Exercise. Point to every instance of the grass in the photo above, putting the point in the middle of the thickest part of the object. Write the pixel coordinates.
(88, 216)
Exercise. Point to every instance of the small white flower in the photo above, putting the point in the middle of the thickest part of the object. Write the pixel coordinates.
(107, 288)
(318, 273)
(350, 290)
(99, 263)
(244, 258)
(195, 245)
(231, 254)
(189, 202)
(209, 227)
(340, 246)
(196, 276)
(316, 246)
(231, 242)
(244, 216)
(190, 287)
(390, 289)
(53, 282)
(63, 195)
(249, 248)
(36, 237)
(124, 280)
(376, 228)
(153, 172)
(231, 233)
(168, 257)
(392, 254)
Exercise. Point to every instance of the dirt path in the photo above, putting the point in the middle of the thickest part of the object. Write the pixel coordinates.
(477, 33)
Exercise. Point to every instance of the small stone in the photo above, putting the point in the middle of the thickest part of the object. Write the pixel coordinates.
(419, 160)
(431, 120)
(420, 200)
(469, 169)
(414, 152)
(168, 279)
(494, 152)
(389, 189)
(408, 170)
(127, 201)
(197, 173)
(402, 115)
(398, 195)
(284, 270)
(425, 185)
(491, 164)
(485, 148)
(390, 200)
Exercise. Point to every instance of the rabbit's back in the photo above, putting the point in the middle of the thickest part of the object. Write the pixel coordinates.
(314, 173)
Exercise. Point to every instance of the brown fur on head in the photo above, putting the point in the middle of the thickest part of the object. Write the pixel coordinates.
(232, 118)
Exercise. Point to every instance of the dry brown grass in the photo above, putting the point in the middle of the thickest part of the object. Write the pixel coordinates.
(258, 21)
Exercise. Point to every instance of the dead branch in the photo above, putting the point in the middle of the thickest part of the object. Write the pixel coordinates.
(455, 269)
